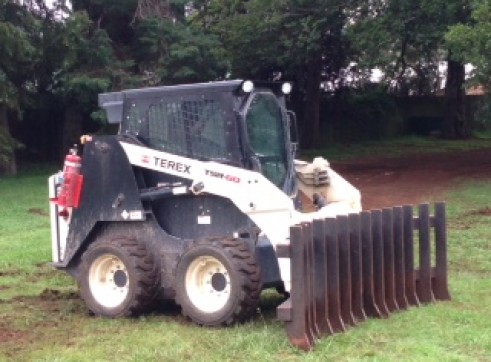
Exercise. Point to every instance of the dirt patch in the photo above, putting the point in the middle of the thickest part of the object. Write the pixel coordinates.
(483, 212)
(54, 295)
(37, 211)
(8, 335)
(413, 179)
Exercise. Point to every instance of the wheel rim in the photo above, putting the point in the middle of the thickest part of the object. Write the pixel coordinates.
(208, 284)
(109, 280)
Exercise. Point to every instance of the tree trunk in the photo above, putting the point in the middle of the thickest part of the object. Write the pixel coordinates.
(455, 126)
(8, 165)
(311, 130)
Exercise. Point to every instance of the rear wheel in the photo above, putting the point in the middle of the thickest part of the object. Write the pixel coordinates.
(218, 282)
(118, 277)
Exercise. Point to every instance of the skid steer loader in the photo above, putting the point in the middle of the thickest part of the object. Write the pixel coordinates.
(197, 199)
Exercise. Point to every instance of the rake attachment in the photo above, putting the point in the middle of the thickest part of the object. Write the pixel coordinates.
(348, 268)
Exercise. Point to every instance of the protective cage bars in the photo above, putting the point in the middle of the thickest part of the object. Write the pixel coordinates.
(348, 268)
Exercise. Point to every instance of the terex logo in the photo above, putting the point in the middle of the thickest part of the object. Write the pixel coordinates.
(145, 159)
(223, 176)
(172, 165)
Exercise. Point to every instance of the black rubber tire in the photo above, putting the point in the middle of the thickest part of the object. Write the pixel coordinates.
(140, 277)
(244, 282)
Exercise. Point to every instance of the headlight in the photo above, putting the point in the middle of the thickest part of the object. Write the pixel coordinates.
(247, 86)
(286, 88)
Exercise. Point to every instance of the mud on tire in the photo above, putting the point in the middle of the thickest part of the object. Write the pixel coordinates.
(118, 277)
(218, 282)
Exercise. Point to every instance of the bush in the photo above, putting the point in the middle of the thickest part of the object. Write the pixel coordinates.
(356, 115)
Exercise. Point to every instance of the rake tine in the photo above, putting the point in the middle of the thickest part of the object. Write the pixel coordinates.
(378, 262)
(356, 267)
(409, 270)
(333, 276)
(321, 320)
(423, 287)
(440, 287)
(309, 279)
(293, 310)
(399, 270)
(369, 302)
(389, 275)
(345, 270)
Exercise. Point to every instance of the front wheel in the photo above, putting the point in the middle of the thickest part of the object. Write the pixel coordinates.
(118, 277)
(218, 282)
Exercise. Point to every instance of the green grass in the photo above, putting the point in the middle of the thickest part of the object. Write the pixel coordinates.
(43, 319)
(397, 147)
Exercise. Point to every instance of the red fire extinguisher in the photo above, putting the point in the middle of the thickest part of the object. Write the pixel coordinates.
(71, 186)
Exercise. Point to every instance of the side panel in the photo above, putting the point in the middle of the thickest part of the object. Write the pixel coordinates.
(110, 192)
(194, 217)
(59, 225)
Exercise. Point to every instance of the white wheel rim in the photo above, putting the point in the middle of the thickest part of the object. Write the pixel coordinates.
(208, 284)
(108, 280)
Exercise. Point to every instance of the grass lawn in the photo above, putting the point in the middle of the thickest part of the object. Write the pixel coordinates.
(43, 319)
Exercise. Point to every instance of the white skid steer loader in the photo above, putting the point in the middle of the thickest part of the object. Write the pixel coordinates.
(193, 200)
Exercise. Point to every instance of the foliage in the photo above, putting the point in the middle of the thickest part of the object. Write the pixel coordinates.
(18, 55)
(404, 38)
(169, 53)
(54, 61)
(18, 59)
(89, 65)
(471, 42)
(297, 40)
(361, 115)
(8, 145)
(291, 34)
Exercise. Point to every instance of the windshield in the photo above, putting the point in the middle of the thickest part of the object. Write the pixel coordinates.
(266, 134)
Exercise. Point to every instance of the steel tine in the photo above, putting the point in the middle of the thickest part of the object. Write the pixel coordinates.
(333, 276)
(292, 311)
(409, 270)
(345, 270)
(309, 279)
(369, 302)
(356, 267)
(399, 281)
(440, 285)
(423, 286)
(321, 321)
(378, 262)
(389, 263)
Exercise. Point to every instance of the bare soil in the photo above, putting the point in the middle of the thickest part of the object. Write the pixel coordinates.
(413, 179)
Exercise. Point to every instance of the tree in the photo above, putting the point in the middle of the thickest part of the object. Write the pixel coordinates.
(89, 68)
(297, 40)
(168, 52)
(17, 58)
(405, 38)
(471, 42)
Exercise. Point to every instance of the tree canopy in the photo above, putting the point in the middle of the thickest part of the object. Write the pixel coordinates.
(55, 60)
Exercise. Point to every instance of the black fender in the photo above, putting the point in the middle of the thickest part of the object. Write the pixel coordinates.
(109, 193)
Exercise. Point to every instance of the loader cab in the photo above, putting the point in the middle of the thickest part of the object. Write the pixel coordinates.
(240, 123)
(266, 132)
